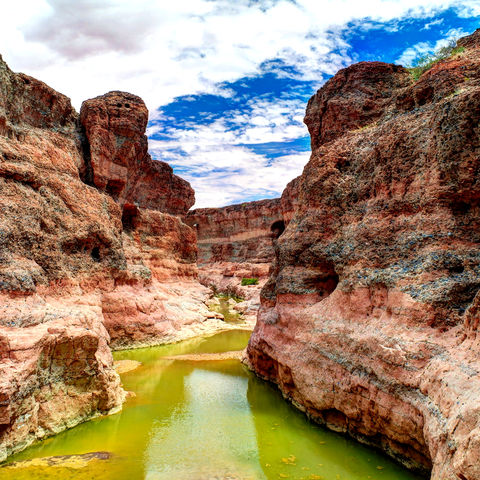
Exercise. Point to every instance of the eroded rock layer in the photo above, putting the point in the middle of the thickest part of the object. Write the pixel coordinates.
(117, 156)
(158, 298)
(237, 233)
(89, 255)
(53, 355)
(237, 242)
(369, 321)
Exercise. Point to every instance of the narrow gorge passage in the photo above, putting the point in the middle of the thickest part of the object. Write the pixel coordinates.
(203, 420)
(349, 302)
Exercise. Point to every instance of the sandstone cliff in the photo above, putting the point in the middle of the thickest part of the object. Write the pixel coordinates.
(237, 233)
(369, 321)
(237, 242)
(90, 255)
(117, 159)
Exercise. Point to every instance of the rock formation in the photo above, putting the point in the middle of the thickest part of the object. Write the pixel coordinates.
(157, 299)
(369, 321)
(90, 255)
(53, 228)
(237, 242)
(237, 233)
(117, 159)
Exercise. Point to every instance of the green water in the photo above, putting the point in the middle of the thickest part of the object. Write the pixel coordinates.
(207, 420)
(229, 315)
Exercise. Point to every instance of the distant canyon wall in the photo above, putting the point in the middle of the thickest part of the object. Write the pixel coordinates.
(237, 233)
(237, 242)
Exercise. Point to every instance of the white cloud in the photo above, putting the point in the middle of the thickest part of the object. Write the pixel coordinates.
(429, 25)
(414, 52)
(160, 50)
(216, 160)
(218, 183)
(469, 9)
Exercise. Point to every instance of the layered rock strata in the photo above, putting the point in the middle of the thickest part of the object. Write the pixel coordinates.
(369, 320)
(54, 374)
(158, 298)
(55, 364)
(89, 255)
(237, 242)
(237, 233)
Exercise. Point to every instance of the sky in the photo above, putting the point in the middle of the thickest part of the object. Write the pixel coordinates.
(226, 82)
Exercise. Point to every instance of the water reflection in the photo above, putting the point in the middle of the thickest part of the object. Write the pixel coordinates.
(290, 446)
(212, 435)
(208, 420)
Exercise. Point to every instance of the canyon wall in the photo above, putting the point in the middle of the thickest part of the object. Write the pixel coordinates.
(91, 255)
(369, 320)
(117, 158)
(238, 233)
(237, 242)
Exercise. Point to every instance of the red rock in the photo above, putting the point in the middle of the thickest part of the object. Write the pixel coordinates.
(58, 373)
(119, 163)
(157, 299)
(237, 242)
(51, 223)
(237, 233)
(73, 260)
(369, 321)
(289, 199)
(28, 101)
(355, 97)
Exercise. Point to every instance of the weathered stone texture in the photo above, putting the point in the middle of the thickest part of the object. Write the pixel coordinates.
(118, 158)
(237, 242)
(369, 321)
(90, 255)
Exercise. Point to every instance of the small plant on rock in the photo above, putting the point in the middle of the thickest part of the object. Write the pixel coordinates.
(249, 281)
(426, 62)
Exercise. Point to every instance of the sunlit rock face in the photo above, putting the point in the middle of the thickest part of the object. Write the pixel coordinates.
(237, 242)
(55, 231)
(237, 233)
(85, 260)
(157, 298)
(117, 156)
(369, 320)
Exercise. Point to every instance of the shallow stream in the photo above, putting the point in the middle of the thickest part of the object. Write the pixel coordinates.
(200, 420)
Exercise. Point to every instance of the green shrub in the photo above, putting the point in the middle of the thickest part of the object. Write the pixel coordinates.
(426, 62)
(249, 281)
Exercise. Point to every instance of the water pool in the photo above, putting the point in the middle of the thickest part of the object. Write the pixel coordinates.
(200, 420)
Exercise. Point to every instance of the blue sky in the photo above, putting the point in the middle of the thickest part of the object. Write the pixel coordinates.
(226, 82)
(255, 123)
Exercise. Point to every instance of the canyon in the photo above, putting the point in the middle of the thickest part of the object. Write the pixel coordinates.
(237, 243)
(93, 255)
(368, 266)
